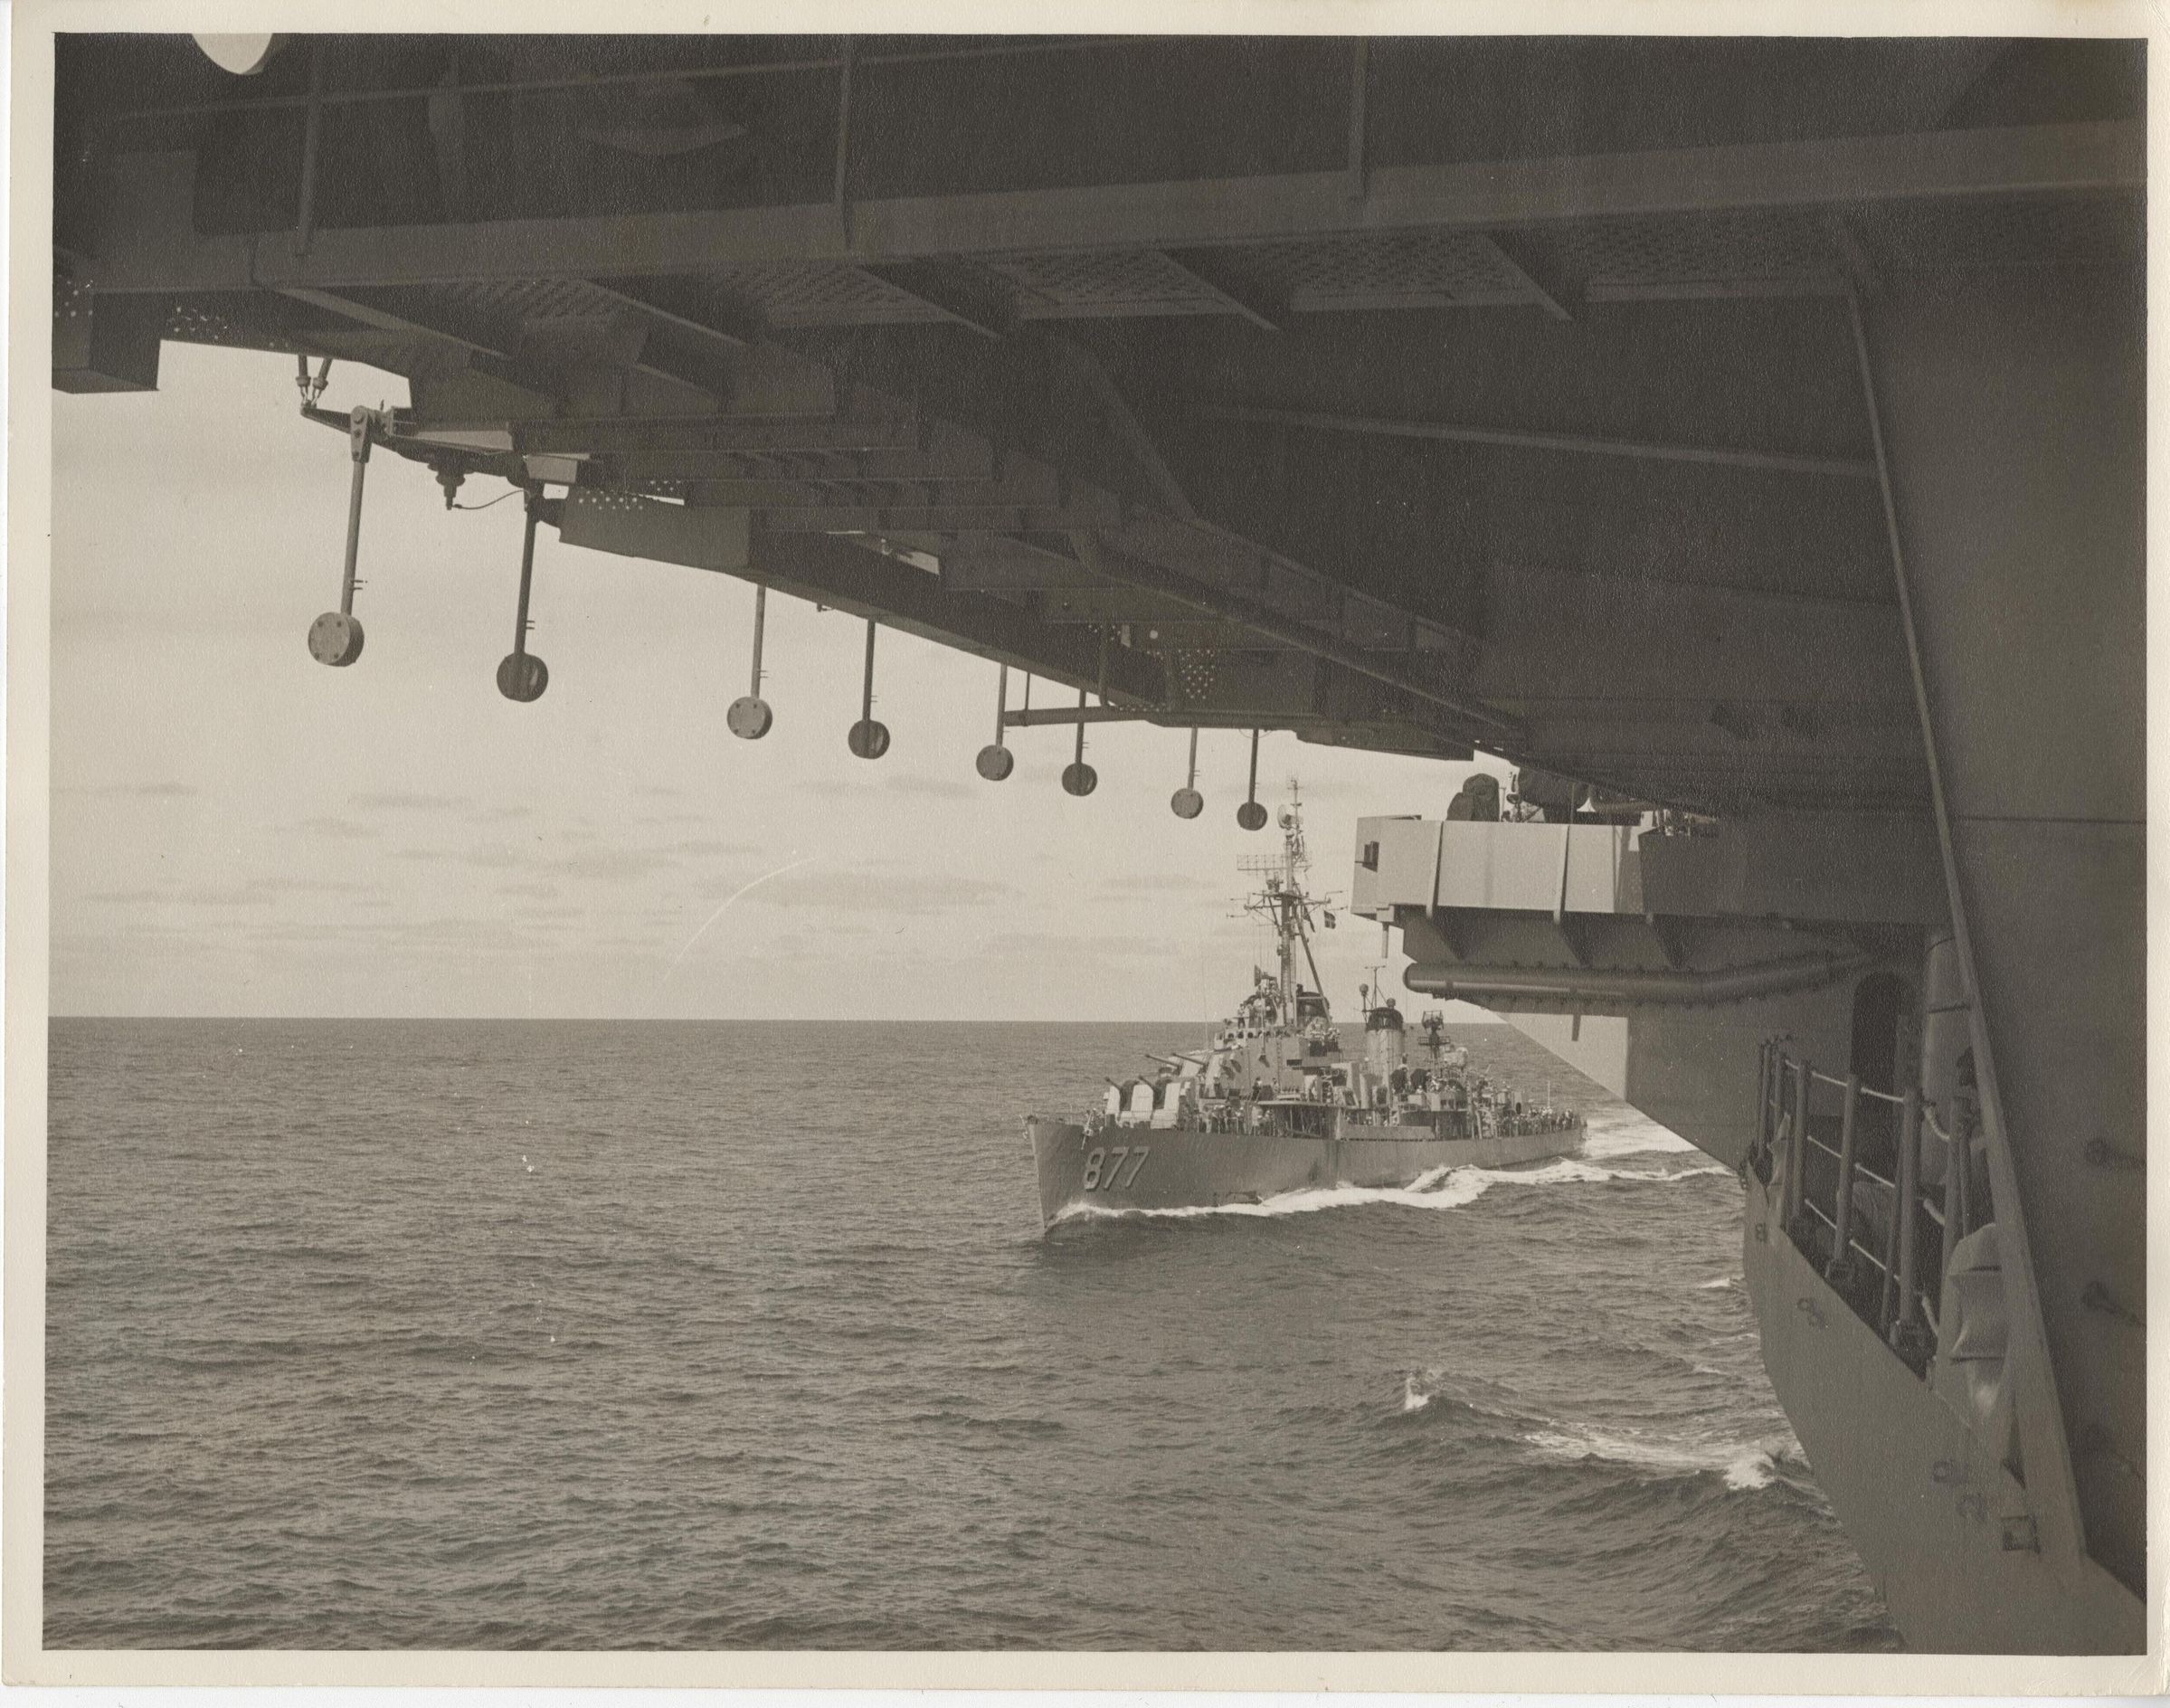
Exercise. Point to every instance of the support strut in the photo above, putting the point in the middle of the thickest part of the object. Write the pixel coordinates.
(868, 739)
(336, 637)
(1187, 803)
(1250, 814)
(750, 716)
(521, 675)
(1079, 778)
(995, 761)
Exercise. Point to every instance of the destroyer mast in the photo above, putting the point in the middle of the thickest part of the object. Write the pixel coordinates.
(1284, 903)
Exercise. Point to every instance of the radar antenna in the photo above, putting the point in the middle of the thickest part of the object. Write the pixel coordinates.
(1284, 902)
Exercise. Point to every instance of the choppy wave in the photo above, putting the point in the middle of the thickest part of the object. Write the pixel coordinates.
(1744, 1465)
(812, 1386)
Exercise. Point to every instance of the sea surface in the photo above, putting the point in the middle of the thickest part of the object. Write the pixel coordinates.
(431, 1334)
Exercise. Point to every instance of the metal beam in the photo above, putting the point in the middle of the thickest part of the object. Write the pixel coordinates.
(312, 131)
(493, 348)
(841, 195)
(725, 435)
(1360, 128)
(1134, 521)
(1118, 568)
(934, 518)
(1115, 607)
(1143, 449)
(2053, 1491)
(446, 115)
(1584, 444)
(1211, 271)
(1071, 715)
(1730, 592)
(669, 301)
(473, 339)
(1009, 48)
(830, 492)
(1540, 270)
(483, 347)
(144, 239)
(863, 582)
(1828, 282)
(987, 567)
(969, 296)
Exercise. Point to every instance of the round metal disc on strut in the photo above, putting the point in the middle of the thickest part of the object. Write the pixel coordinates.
(749, 718)
(995, 761)
(522, 677)
(1080, 779)
(336, 639)
(870, 738)
(1251, 816)
(1186, 803)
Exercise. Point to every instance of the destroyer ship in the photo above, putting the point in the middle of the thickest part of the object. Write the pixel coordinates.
(1276, 1104)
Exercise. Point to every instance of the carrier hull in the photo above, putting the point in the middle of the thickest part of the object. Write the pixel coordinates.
(1175, 1168)
(1936, 1516)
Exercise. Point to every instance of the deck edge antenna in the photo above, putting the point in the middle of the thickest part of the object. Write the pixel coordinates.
(1079, 778)
(522, 676)
(750, 716)
(1250, 814)
(868, 739)
(995, 760)
(336, 637)
(1187, 803)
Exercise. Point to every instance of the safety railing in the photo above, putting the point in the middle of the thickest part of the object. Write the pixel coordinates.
(1818, 1140)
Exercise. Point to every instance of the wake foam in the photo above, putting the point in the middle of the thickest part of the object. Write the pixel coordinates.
(1440, 1189)
(1413, 1398)
(1717, 1284)
(1625, 1132)
(1744, 1465)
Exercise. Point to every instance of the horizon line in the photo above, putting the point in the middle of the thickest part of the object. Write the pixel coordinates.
(688, 1019)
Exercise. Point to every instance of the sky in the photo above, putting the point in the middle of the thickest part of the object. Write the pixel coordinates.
(238, 829)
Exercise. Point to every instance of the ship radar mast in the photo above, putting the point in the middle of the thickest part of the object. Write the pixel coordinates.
(1284, 902)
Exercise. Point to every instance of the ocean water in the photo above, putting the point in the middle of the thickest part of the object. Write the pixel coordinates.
(519, 1335)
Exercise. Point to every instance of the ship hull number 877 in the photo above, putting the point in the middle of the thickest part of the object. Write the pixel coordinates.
(1104, 1169)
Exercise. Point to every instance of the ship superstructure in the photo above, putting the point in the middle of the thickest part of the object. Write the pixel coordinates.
(1275, 1103)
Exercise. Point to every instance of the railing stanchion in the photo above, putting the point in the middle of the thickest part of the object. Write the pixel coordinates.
(1763, 1095)
(1959, 1211)
(1842, 1210)
(1887, 1303)
(1796, 1154)
(1908, 1211)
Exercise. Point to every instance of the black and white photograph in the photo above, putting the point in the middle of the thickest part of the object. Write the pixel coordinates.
(1225, 840)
